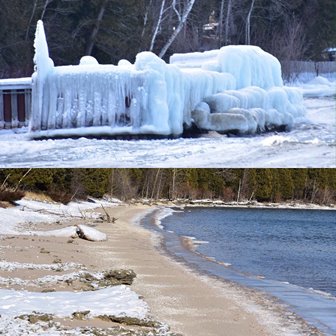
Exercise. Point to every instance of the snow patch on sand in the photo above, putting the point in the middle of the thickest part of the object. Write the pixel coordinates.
(12, 266)
(117, 301)
(29, 211)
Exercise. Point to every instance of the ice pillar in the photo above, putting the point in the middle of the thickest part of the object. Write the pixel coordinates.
(43, 65)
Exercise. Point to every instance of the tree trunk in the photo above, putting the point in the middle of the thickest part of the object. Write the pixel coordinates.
(182, 20)
(220, 27)
(227, 22)
(96, 27)
(30, 20)
(248, 24)
(157, 27)
(173, 184)
(46, 4)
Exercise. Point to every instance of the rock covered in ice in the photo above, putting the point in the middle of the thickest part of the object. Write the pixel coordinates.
(222, 102)
(228, 122)
(89, 233)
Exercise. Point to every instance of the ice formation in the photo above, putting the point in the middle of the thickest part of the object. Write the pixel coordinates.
(259, 100)
(236, 88)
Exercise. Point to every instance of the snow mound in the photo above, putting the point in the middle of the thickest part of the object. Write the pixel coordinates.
(88, 60)
(152, 97)
(81, 231)
(67, 232)
(319, 87)
(116, 300)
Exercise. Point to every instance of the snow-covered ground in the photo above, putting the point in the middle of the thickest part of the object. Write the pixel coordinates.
(118, 301)
(14, 220)
(311, 143)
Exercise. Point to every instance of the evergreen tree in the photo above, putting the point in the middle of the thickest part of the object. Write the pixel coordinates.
(286, 185)
(264, 185)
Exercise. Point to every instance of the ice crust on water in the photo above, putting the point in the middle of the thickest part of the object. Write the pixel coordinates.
(153, 97)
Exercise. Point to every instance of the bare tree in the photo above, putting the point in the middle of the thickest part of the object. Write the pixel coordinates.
(227, 21)
(46, 4)
(31, 19)
(182, 18)
(145, 19)
(290, 47)
(248, 24)
(96, 27)
(158, 25)
(221, 19)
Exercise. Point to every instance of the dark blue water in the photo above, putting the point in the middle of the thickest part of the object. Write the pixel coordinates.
(297, 246)
(285, 253)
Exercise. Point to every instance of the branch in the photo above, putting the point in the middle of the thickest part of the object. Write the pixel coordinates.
(21, 179)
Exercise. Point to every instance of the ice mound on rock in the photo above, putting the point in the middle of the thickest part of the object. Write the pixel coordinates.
(259, 100)
(236, 88)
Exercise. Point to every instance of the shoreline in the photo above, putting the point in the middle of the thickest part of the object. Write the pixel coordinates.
(189, 302)
(184, 203)
(272, 316)
(278, 292)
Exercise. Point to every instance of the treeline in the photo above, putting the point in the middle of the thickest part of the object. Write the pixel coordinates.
(264, 185)
(111, 30)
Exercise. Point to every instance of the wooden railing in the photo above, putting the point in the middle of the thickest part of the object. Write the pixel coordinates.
(15, 104)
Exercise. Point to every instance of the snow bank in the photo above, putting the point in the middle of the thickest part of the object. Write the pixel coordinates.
(116, 300)
(319, 87)
(152, 97)
(29, 211)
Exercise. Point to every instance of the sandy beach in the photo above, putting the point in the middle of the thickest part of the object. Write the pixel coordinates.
(190, 303)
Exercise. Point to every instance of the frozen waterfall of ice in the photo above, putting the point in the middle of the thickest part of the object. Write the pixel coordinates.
(235, 88)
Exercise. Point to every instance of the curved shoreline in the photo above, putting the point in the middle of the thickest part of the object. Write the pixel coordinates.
(268, 311)
(277, 292)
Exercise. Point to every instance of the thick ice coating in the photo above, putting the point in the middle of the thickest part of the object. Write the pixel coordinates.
(153, 97)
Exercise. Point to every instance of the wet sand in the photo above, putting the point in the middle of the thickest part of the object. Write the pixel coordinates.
(190, 303)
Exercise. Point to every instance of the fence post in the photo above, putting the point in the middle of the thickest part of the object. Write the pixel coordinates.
(28, 107)
(14, 110)
(2, 115)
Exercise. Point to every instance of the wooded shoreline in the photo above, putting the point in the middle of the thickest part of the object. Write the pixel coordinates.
(216, 185)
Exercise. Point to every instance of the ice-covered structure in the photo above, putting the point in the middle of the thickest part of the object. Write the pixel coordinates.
(259, 100)
(236, 88)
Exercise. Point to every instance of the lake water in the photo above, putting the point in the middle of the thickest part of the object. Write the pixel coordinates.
(290, 254)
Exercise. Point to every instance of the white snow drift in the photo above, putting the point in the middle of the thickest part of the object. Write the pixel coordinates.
(236, 88)
(16, 220)
(117, 301)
